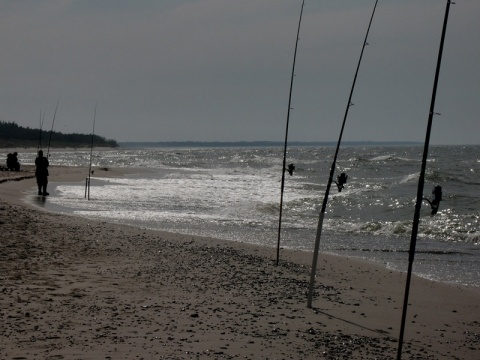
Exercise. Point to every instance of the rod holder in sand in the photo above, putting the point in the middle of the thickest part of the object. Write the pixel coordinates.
(91, 154)
(87, 188)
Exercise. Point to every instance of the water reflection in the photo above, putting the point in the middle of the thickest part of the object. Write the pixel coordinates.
(39, 200)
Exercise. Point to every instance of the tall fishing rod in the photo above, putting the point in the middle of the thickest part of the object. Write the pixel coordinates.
(51, 130)
(332, 171)
(42, 119)
(91, 152)
(40, 132)
(290, 167)
(421, 182)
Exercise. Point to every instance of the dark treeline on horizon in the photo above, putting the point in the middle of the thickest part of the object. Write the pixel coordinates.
(167, 144)
(12, 135)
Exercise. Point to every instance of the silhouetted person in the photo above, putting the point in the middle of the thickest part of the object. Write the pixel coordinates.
(12, 162)
(41, 172)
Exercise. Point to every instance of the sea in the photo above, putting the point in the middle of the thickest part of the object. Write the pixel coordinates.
(233, 193)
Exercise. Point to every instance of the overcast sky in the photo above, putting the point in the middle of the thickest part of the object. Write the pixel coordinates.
(219, 70)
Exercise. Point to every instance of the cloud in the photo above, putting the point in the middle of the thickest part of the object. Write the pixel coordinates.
(220, 69)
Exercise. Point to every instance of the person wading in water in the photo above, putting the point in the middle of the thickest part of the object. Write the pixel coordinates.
(41, 172)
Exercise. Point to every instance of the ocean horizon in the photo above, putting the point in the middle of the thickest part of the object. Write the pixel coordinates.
(258, 143)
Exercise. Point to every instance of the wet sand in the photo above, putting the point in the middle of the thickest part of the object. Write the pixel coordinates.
(73, 288)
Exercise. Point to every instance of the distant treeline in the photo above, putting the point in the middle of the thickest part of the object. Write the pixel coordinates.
(177, 144)
(12, 135)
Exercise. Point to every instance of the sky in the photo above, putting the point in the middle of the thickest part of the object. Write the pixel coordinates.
(220, 70)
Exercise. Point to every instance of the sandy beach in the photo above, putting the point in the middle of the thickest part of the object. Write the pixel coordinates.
(80, 289)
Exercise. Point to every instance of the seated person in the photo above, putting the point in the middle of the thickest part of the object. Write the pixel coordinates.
(12, 162)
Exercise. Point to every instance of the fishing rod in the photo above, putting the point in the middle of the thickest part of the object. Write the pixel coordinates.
(42, 119)
(51, 130)
(290, 167)
(91, 152)
(332, 171)
(40, 132)
(421, 182)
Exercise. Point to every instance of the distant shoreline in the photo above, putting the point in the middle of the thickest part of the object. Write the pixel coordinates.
(166, 144)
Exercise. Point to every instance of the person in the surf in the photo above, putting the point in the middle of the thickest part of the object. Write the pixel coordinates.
(41, 173)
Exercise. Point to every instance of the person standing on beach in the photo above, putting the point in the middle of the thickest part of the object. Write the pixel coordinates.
(41, 173)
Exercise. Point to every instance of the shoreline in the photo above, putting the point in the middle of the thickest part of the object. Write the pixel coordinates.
(78, 288)
(445, 269)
